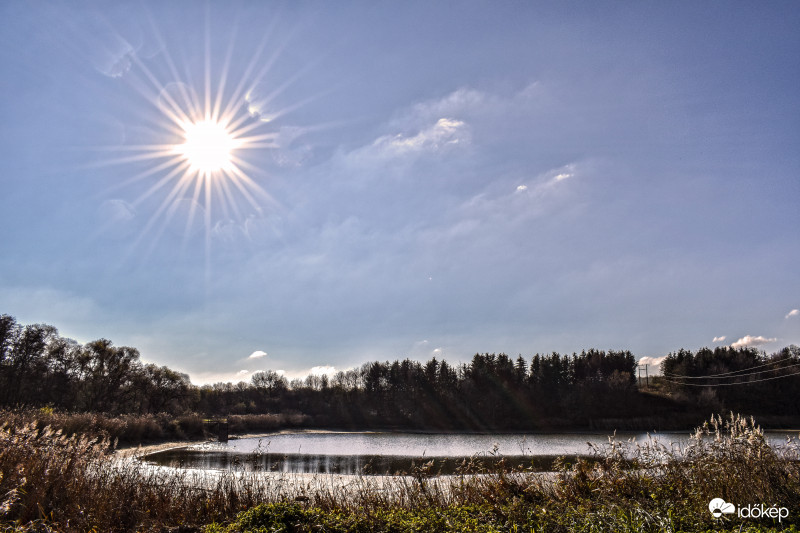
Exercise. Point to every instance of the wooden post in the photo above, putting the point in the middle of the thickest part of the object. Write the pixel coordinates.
(222, 431)
(217, 427)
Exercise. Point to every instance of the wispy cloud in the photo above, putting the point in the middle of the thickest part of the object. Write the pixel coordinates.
(445, 132)
(557, 174)
(749, 341)
(719, 339)
(258, 354)
(433, 125)
(471, 103)
(793, 312)
(457, 103)
(529, 199)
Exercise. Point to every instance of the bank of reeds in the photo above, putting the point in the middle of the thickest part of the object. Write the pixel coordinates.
(54, 482)
(131, 429)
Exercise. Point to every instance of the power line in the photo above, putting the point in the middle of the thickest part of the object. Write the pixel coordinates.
(729, 384)
(735, 373)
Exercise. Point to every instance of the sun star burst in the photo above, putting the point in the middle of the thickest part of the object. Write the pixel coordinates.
(208, 146)
(210, 136)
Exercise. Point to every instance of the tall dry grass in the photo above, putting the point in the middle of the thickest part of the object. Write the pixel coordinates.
(126, 428)
(75, 483)
(51, 481)
(133, 429)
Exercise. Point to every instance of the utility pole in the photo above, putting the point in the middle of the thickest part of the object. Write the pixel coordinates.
(646, 376)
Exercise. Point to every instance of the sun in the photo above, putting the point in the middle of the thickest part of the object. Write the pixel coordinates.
(200, 163)
(208, 146)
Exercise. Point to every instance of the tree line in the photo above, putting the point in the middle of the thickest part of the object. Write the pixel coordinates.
(491, 391)
(39, 367)
(737, 379)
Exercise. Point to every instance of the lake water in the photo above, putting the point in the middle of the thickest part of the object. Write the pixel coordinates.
(380, 453)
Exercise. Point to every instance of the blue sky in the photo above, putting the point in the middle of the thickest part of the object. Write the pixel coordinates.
(427, 179)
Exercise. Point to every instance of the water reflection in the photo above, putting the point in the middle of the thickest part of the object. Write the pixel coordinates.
(342, 464)
(420, 444)
(364, 453)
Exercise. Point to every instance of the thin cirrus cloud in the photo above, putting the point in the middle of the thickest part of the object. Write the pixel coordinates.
(431, 138)
(457, 103)
(527, 200)
(445, 122)
(793, 312)
(719, 339)
(749, 341)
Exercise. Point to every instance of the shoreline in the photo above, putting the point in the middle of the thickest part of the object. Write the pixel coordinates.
(135, 450)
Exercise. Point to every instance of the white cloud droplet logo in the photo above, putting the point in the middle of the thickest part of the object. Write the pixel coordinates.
(718, 507)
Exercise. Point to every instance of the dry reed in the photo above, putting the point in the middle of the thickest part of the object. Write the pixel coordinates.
(52, 481)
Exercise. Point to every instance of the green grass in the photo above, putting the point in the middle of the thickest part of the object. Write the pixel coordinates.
(285, 517)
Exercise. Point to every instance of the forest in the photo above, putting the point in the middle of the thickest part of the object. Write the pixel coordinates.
(593, 388)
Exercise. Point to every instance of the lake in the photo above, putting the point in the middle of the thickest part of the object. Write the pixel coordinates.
(387, 453)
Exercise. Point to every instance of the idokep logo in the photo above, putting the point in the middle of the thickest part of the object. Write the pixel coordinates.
(759, 511)
(719, 507)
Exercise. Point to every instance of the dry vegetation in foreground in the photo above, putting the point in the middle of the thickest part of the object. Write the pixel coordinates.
(134, 429)
(54, 482)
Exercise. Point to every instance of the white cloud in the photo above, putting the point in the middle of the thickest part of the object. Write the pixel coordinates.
(243, 372)
(258, 354)
(557, 174)
(431, 126)
(522, 187)
(323, 370)
(456, 103)
(654, 364)
(426, 139)
(793, 312)
(472, 103)
(749, 340)
(719, 339)
(651, 360)
(446, 131)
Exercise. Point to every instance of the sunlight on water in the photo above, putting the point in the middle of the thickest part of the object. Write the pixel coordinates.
(376, 453)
